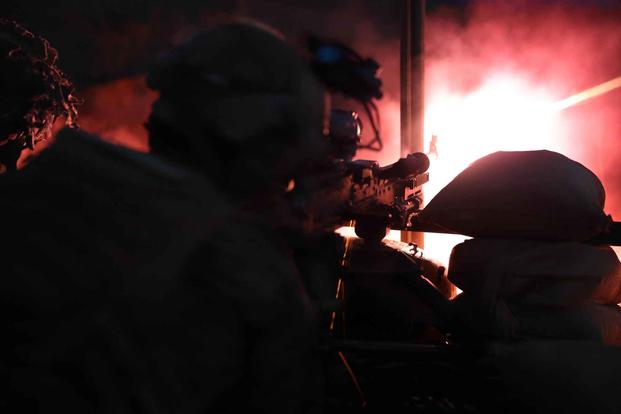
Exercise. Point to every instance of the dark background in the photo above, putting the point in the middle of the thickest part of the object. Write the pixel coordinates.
(108, 39)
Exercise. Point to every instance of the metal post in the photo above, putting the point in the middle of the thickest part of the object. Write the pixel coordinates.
(412, 86)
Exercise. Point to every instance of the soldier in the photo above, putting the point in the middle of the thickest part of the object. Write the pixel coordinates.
(165, 283)
(34, 92)
(243, 108)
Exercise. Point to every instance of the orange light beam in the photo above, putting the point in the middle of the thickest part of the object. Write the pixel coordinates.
(588, 94)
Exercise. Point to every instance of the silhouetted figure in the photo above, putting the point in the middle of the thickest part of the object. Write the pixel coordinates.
(433, 146)
(164, 283)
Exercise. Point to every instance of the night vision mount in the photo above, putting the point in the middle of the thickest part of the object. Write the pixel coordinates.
(344, 71)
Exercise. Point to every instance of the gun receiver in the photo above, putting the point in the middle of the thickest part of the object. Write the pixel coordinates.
(385, 197)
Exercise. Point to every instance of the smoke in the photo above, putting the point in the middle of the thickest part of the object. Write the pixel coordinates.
(547, 49)
(512, 59)
(494, 71)
(492, 77)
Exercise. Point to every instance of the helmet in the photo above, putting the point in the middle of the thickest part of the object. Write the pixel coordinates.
(238, 102)
(34, 91)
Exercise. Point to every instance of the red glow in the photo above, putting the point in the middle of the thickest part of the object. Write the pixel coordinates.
(117, 111)
(495, 81)
(505, 113)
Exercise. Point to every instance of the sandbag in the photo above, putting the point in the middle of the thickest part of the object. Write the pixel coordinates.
(536, 273)
(475, 317)
(503, 320)
(527, 194)
(599, 323)
(561, 376)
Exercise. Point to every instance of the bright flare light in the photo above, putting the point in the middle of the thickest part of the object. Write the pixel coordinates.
(350, 233)
(593, 92)
(504, 114)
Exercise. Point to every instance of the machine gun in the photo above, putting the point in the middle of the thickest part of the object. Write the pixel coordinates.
(390, 314)
(385, 197)
(376, 198)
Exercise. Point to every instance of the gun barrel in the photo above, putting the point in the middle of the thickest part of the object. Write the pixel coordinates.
(612, 237)
(413, 164)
